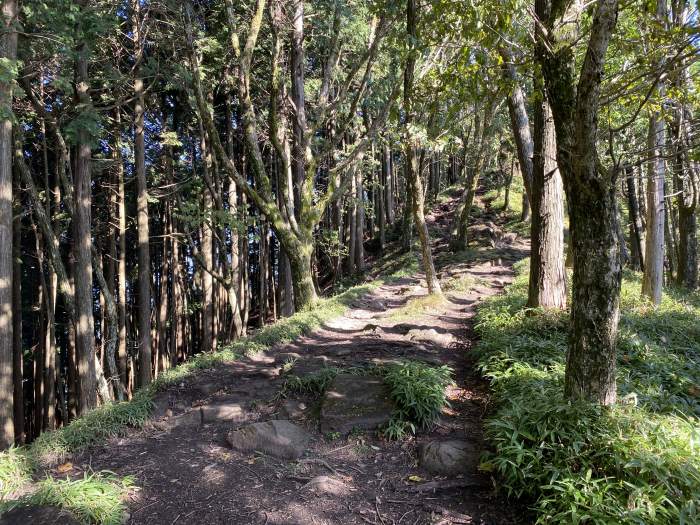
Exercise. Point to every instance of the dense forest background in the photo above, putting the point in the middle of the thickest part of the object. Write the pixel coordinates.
(174, 175)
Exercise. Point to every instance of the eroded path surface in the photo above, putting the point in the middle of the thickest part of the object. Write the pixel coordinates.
(189, 474)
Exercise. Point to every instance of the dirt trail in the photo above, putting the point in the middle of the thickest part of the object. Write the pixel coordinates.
(189, 475)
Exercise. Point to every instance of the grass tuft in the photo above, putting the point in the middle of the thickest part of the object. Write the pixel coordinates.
(15, 470)
(637, 462)
(418, 390)
(95, 499)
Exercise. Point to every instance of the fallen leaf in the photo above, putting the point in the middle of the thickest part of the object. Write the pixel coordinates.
(66, 467)
(415, 479)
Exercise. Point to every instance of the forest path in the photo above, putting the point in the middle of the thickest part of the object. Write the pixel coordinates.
(188, 474)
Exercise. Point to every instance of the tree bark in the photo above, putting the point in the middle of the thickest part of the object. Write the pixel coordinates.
(410, 146)
(8, 42)
(574, 99)
(122, 358)
(144, 255)
(82, 244)
(653, 279)
(547, 285)
(636, 226)
(17, 350)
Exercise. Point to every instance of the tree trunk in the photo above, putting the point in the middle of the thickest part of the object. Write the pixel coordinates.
(686, 185)
(302, 276)
(122, 358)
(390, 186)
(144, 254)
(9, 53)
(519, 122)
(359, 223)
(82, 245)
(574, 99)
(547, 285)
(636, 227)
(17, 350)
(653, 279)
(207, 248)
(410, 146)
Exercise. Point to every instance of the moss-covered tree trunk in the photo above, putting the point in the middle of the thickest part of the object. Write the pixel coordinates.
(591, 192)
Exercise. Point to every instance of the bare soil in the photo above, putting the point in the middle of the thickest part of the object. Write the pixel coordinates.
(187, 474)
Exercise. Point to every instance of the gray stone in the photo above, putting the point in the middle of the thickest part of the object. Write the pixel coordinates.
(292, 409)
(430, 336)
(186, 419)
(207, 389)
(448, 458)
(222, 412)
(38, 515)
(279, 438)
(327, 485)
(355, 402)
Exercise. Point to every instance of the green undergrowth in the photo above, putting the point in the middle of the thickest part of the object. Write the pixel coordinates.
(635, 463)
(96, 498)
(17, 465)
(417, 389)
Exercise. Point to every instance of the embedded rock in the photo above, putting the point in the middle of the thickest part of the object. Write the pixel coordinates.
(279, 438)
(326, 485)
(448, 458)
(430, 336)
(222, 412)
(355, 402)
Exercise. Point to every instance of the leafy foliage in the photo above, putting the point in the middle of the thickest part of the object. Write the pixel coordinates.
(636, 462)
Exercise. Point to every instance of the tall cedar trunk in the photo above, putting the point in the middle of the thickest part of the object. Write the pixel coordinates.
(9, 53)
(382, 189)
(410, 146)
(351, 225)
(653, 279)
(574, 99)
(17, 355)
(122, 358)
(359, 233)
(82, 245)
(390, 186)
(144, 254)
(636, 226)
(50, 356)
(686, 186)
(163, 305)
(207, 248)
(263, 273)
(178, 313)
(547, 285)
(38, 354)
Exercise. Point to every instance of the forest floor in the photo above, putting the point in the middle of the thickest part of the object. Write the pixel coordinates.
(188, 474)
